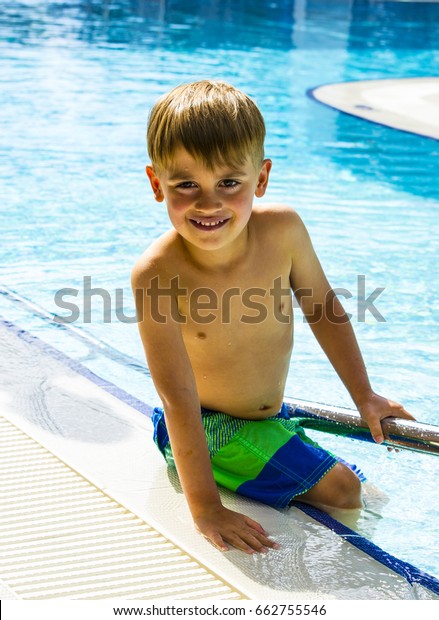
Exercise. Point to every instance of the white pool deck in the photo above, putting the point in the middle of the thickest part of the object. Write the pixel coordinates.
(410, 104)
(90, 510)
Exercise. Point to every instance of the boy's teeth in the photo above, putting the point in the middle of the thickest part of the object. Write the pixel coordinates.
(209, 223)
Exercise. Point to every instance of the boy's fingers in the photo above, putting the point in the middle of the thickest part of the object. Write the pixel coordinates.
(238, 531)
(400, 414)
(217, 541)
(267, 542)
(241, 544)
(233, 539)
(259, 542)
(262, 534)
(255, 525)
(248, 542)
(376, 431)
(378, 409)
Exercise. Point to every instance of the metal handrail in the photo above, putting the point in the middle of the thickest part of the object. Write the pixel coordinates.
(398, 432)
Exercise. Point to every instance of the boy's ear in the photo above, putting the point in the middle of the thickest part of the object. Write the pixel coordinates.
(263, 178)
(155, 184)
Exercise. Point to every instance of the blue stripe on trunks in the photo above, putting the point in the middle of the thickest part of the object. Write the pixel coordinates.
(280, 480)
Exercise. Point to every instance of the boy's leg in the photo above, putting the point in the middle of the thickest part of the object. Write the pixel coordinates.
(339, 488)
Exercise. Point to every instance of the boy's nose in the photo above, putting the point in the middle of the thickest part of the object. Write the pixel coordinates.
(208, 202)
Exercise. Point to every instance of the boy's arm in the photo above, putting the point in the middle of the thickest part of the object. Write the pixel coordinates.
(333, 330)
(174, 380)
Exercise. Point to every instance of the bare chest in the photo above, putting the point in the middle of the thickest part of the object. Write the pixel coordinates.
(244, 308)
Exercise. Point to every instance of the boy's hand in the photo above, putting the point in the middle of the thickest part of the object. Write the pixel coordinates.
(377, 408)
(221, 526)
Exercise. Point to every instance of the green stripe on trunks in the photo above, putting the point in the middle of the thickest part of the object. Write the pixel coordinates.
(219, 429)
(250, 449)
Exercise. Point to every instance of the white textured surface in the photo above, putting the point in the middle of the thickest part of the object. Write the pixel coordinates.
(410, 104)
(110, 444)
(6, 593)
(61, 537)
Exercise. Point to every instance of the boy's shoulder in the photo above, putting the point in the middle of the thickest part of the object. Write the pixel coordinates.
(282, 225)
(277, 210)
(279, 218)
(156, 257)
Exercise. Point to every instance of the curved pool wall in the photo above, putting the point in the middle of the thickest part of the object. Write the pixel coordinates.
(79, 79)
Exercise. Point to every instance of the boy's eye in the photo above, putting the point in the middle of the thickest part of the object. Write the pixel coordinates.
(230, 183)
(186, 185)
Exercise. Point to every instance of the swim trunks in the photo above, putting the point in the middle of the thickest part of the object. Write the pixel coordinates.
(270, 460)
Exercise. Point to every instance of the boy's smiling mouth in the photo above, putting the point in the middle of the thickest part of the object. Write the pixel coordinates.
(208, 223)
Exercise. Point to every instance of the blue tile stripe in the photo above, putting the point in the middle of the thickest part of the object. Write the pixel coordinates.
(109, 387)
(410, 573)
(102, 348)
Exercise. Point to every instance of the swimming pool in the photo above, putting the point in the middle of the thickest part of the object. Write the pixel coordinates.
(79, 78)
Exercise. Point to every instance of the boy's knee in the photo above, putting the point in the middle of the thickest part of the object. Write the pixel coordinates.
(339, 488)
(346, 488)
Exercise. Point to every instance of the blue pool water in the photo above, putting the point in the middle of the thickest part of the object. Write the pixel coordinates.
(78, 79)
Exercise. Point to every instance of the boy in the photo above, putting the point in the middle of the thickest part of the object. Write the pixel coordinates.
(215, 316)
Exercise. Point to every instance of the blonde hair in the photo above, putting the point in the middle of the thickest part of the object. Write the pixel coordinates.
(215, 122)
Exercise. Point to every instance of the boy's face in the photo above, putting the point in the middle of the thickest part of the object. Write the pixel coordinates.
(209, 208)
